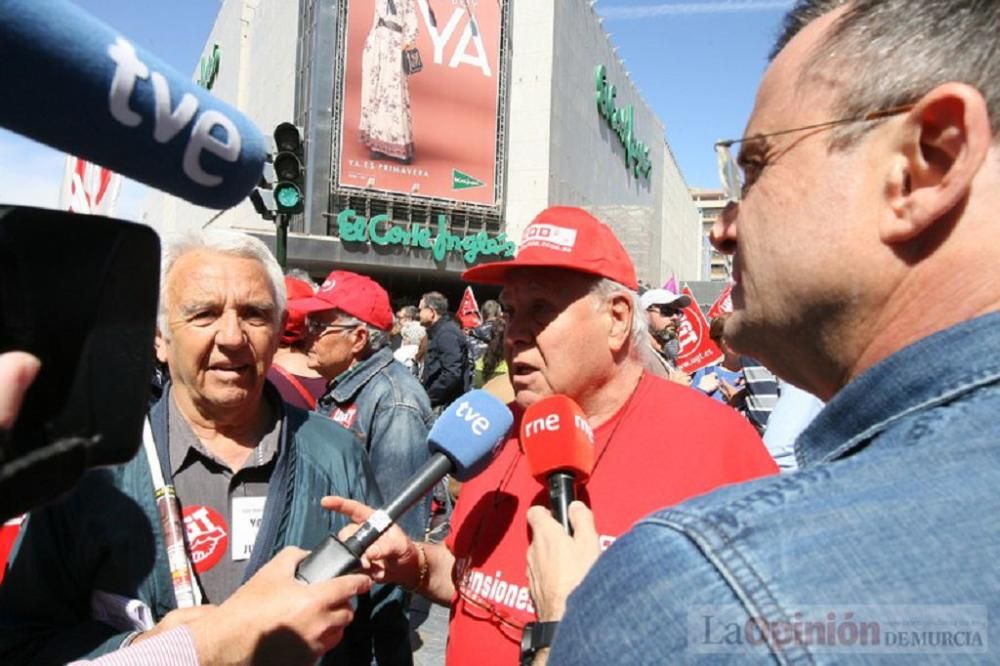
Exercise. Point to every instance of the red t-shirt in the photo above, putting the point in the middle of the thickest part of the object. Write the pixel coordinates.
(666, 444)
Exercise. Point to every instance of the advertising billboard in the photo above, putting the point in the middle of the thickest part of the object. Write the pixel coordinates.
(430, 128)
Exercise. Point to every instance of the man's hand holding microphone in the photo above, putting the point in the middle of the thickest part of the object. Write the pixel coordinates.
(461, 442)
(559, 445)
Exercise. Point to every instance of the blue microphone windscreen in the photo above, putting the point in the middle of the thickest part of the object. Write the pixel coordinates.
(72, 82)
(469, 430)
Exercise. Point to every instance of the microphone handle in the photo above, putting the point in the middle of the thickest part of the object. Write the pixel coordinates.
(334, 558)
(562, 491)
(328, 560)
(421, 483)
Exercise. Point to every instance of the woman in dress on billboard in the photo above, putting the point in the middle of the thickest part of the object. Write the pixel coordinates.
(386, 122)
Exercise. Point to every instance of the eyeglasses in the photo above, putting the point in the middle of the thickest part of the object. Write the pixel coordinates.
(318, 328)
(731, 174)
(485, 610)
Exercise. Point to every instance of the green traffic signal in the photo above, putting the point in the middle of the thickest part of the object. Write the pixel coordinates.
(289, 168)
(288, 197)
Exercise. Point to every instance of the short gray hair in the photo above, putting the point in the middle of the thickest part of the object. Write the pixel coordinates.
(894, 51)
(223, 241)
(302, 274)
(377, 338)
(410, 312)
(604, 289)
(412, 333)
(436, 301)
(491, 309)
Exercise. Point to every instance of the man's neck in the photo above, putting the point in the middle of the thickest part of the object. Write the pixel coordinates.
(340, 376)
(232, 436)
(602, 404)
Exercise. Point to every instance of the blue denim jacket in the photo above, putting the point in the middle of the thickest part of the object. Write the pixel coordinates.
(883, 547)
(383, 403)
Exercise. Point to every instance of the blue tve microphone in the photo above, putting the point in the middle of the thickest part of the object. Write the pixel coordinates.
(74, 83)
(461, 442)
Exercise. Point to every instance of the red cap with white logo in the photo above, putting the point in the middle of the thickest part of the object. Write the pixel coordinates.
(564, 237)
(357, 295)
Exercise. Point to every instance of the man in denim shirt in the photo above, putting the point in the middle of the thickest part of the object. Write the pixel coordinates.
(370, 393)
(867, 267)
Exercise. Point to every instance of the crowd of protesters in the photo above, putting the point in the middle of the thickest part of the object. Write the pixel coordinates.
(343, 362)
(288, 410)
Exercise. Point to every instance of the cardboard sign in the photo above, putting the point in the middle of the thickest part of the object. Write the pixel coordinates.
(697, 349)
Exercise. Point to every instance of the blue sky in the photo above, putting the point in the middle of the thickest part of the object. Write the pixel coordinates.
(696, 62)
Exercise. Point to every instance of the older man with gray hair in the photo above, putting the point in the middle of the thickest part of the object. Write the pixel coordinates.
(223, 455)
(575, 329)
(369, 392)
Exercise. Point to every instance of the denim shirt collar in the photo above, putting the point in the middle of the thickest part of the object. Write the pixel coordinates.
(927, 373)
(347, 385)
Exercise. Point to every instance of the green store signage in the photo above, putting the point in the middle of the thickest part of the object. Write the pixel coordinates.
(208, 68)
(380, 230)
(622, 122)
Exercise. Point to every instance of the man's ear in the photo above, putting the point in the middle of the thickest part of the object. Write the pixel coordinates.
(620, 309)
(359, 340)
(944, 142)
(160, 345)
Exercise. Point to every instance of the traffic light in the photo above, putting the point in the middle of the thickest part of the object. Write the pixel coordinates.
(262, 196)
(289, 170)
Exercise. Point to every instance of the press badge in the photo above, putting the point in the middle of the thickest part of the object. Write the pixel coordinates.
(247, 514)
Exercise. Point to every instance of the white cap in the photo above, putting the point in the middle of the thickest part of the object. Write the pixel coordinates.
(653, 297)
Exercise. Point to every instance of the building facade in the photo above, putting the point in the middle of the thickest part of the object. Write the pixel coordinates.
(715, 265)
(520, 104)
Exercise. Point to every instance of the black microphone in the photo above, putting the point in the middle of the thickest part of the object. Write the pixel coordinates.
(73, 83)
(461, 441)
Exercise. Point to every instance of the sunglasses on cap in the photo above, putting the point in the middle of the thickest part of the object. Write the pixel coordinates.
(665, 310)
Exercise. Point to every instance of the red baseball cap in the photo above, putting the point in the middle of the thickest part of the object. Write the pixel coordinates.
(564, 237)
(295, 325)
(356, 295)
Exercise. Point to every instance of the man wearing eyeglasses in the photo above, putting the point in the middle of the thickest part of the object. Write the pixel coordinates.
(369, 392)
(870, 188)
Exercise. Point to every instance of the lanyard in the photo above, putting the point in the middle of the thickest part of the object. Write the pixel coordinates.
(169, 509)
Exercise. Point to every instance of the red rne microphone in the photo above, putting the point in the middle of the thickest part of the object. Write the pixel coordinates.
(559, 444)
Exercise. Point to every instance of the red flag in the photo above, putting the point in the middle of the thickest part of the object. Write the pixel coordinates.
(723, 304)
(697, 349)
(468, 310)
(8, 533)
(88, 188)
